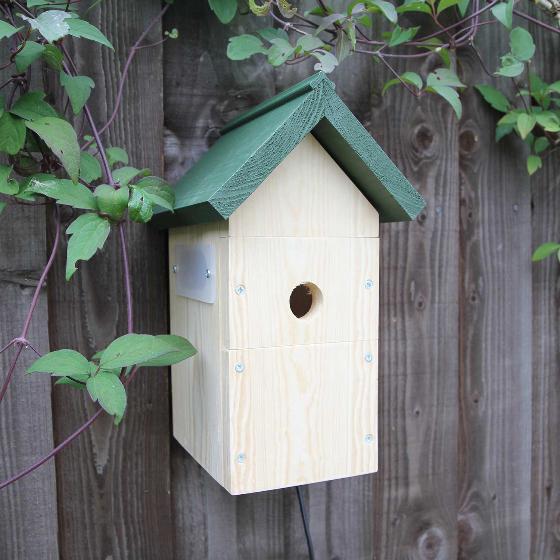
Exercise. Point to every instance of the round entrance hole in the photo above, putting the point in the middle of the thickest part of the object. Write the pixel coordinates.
(304, 299)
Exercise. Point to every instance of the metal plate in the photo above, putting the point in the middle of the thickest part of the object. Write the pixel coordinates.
(196, 272)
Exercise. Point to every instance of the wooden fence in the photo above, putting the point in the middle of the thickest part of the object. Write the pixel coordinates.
(469, 377)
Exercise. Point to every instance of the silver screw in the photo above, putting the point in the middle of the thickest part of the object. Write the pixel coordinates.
(207, 273)
(240, 290)
(241, 457)
(369, 438)
(368, 284)
(174, 269)
(368, 357)
(239, 367)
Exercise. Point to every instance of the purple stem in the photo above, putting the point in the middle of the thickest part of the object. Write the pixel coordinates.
(22, 338)
(537, 21)
(128, 289)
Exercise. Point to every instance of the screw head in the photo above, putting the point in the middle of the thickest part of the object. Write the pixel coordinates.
(368, 284)
(174, 269)
(368, 357)
(368, 438)
(241, 458)
(240, 290)
(239, 367)
(207, 273)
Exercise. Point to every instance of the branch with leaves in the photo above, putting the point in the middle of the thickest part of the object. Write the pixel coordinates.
(46, 165)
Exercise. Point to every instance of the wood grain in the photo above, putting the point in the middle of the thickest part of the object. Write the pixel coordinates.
(545, 219)
(28, 520)
(113, 483)
(495, 351)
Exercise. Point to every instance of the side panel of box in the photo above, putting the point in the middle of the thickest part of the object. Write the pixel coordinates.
(302, 414)
(198, 392)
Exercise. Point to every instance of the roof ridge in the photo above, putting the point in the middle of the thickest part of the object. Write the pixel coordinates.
(313, 82)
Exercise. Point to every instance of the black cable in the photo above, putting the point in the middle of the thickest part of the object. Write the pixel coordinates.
(305, 520)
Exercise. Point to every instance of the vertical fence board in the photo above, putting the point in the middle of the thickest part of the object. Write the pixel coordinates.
(545, 188)
(495, 354)
(113, 483)
(28, 521)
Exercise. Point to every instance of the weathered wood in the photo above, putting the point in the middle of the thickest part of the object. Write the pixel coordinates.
(545, 189)
(113, 483)
(28, 521)
(495, 349)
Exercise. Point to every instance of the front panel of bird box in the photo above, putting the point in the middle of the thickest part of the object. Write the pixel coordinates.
(283, 390)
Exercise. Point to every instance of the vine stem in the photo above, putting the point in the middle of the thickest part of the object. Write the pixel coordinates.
(22, 340)
(128, 289)
(536, 21)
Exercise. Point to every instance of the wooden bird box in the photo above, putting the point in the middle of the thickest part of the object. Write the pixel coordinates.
(274, 257)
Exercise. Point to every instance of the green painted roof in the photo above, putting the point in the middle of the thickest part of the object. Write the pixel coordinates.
(255, 143)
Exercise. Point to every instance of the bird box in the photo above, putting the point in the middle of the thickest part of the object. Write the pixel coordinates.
(274, 277)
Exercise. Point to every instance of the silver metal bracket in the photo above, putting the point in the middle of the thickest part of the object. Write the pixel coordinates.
(196, 272)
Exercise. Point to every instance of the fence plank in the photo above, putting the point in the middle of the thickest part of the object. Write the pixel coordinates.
(28, 521)
(114, 482)
(545, 188)
(495, 352)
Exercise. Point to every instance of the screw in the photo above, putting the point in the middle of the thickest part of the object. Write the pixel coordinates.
(241, 458)
(207, 273)
(239, 367)
(174, 269)
(368, 285)
(369, 438)
(368, 357)
(240, 290)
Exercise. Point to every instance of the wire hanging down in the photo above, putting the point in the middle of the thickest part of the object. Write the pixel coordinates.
(305, 520)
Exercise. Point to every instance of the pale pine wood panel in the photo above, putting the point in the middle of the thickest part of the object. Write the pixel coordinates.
(495, 351)
(270, 268)
(307, 195)
(197, 385)
(301, 414)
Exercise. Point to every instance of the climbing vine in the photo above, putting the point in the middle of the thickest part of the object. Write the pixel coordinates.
(46, 159)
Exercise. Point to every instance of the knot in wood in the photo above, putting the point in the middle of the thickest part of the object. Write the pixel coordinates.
(468, 141)
(423, 139)
(431, 544)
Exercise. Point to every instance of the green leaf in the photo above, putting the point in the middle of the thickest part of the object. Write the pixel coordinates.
(61, 138)
(140, 209)
(7, 186)
(88, 234)
(28, 55)
(387, 9)
(244, 46)
(409, 77)
(463, 6)
(90, 168)
(503, 130)
(445, 4)
(78, 89)
(525, 123)
(421, 7)
(31, 106)
(269, 33)
(521, 43)
(108, 390)
(6, 30)
(327, 61)
(80, 28)
(123, 175)
(72, 381)
(116, 155)
(61, 362)
(511, 67)
(157, 191)
(451, 96)
(12, 134)
(52, 55)
(132, 349)
(533, 163)
(309, 42)
(443, 77)
(503, 12)
(549, 121)
(112, 202)
(225, 10)
(400, 35)
(545, 250)
(183, 349)
(52, 24)
(555, 87)
(541, 144)
(494, 97)
(64, 192)
(279, 52)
